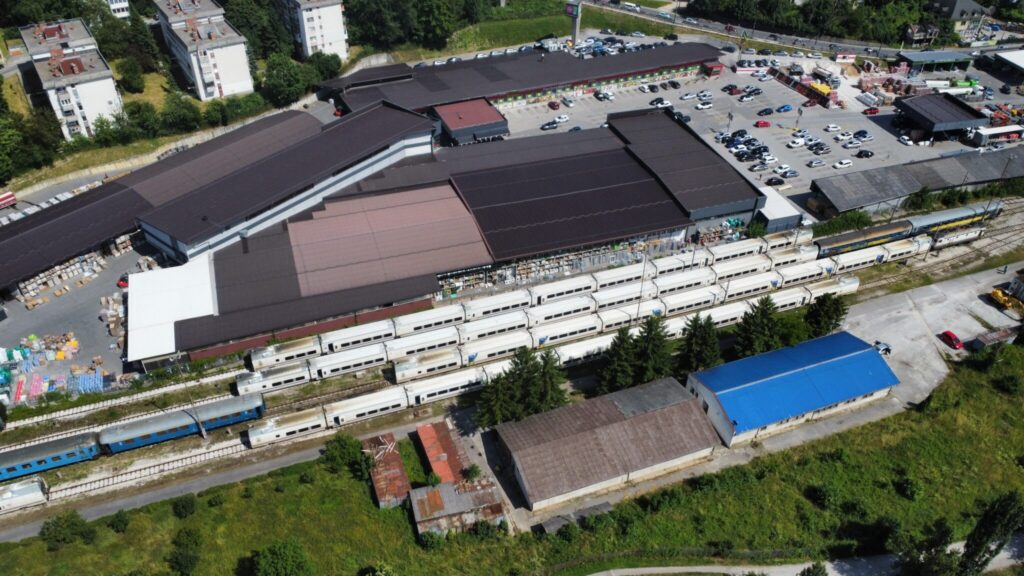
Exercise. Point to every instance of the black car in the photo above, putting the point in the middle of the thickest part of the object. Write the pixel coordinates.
(775, 181)
(652, 87)
(606, 31)
(729, 49)
(756, 92)
(764, 52)
(601, 96)
(822, 151)
(680, 117)
(671, 36)
(663, 85)
(765, 112)
(739, 134)
(675, 85)
(865, 154)
(656, 101)
(1005, 89)
(549, 125)
(728, 87)
(860, 133)
(575, 129)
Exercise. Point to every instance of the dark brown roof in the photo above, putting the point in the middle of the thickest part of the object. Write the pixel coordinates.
(703, 183)
(516, 73)
(584, 444)
(550, 205)
(468, 114)
(78, 225)
(207, 211)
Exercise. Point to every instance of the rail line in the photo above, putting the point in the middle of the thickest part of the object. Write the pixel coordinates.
(313, 401)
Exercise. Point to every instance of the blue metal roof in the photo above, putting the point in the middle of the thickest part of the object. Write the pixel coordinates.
(772, 387)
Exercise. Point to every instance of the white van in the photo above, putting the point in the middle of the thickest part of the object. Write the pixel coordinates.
(631, 6)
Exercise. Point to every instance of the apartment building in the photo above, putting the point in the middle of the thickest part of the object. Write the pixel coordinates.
(76, 78)
(210, 52)
(120, 8)
(316, 25)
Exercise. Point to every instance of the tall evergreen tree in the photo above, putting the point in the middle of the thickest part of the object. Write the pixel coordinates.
(497, 403)
(699, 347)
(550, 393)
(524, 379)
(653, 351)
(825, 315)
(758, 331)
(142, 44)
(1001, 518)
(619, 361)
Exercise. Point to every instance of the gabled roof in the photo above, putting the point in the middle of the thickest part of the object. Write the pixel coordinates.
(772, 387)
(583, 444)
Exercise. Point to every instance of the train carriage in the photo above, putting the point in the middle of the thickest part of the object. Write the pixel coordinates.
(629, 315)
(791, 256)
(345, 362)
(955, 218)
(498, 304)
(752, 285)
(560, 310)
(48, 455)
(583, 351)
(727, 314)
(625, 294)
(624, 275)
(841, 286)
(432, 319)
(422, 342)
(806, 272)
(741, 267)
(366, 406)
(673, 283)
(903, 249)
(493, 326)
(952, 237)
(495, 347)
(274, 378)
(260, 358)
(23, 494)
(561, 289)
(789, 238)
(357, 336)
(287, 427)
(859, 239)
(445, 386)
(790, 298)
(865, 258)
(427, 364)
(738, 249)
(698, 258)
(691, 300)
(558, 332)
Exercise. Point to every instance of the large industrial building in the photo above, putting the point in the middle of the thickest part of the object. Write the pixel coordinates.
(887, 187)
(934, 115)
(208, 50)
(602, 443)
(771, 392)
(78, 82)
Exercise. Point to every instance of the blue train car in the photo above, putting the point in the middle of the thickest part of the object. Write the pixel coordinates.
(48, 455)
(173, 425)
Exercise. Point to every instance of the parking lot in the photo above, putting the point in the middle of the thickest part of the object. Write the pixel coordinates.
(729, 114)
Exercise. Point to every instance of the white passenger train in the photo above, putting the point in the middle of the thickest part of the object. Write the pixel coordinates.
(557, 322)
(467, 380)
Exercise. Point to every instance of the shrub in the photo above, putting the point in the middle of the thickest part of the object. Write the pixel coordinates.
(569, 533)
(119, 522)
(279, 488)
(247, 492)
(431, 540)
(721, 548)
(65, 528)
(433, 479)
(216, 500)
(822, 496)
(485, 530)
(1010, 384)
(286, 558)
(184, 557)
(471, 473)
(343, 452)
(307, 477)
(184, 506)
(907, 487)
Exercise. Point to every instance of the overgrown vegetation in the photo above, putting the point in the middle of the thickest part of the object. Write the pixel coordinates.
(854, 220)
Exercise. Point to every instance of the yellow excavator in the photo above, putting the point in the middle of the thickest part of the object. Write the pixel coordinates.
(1008, 301)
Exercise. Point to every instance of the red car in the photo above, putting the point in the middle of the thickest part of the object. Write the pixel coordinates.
(554, 105)
(951, 340)
(122, 282)
(871, 111)
(762, 124)
(735, 91)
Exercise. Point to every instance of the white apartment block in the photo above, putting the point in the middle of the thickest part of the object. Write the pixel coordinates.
(317, 26)
(120, 8)
(207, 48)
(78, 82)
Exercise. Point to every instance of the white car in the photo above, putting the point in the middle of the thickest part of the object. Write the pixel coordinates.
(746, 98)
(842, 164)
(690, 21)
(764, 78)
(852, 144)
(799, 54)
(866, 138)
(801, 133)
(832, 128)
(514, 50)
(568, 102)
(704, 94)
(814, 55)
(774, 63)
(643, 88)
(562, 118)
(737, 148)
(844, 136)
(663, 104)
(782, 168)
(905, 140)
(609, 96)
(769, 159)
(631, 45)
(795, 143)
(811, 140)
(703, 106)
(815, 163)
(688, 96)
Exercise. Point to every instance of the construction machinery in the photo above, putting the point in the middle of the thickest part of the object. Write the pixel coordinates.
(1008, 301)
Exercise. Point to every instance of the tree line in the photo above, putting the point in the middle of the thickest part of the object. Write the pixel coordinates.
(389, 23)
(883, 21)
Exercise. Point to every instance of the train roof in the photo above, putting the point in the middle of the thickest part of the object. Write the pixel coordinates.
(346, 355)
(275, 370)
(579, 280)
(498, 299)
(357, 330)
(444, 380)
(494, 321)
(46, 449)
(163, 422)
(519, 336)
(953, 214)
(734, 247)
(741, 263)
(692, 294)
(753, 279)
(866, 234)
(292, 419)
(385, 395)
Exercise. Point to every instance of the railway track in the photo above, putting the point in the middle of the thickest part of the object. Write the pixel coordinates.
(319, 400)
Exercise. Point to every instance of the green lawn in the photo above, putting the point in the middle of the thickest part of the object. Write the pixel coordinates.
(14, 93)
(960, 447)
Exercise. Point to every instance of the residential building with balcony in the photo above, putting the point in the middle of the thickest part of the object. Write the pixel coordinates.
(316, 26)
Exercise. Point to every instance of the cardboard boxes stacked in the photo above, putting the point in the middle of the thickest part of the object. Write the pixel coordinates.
(113, 313)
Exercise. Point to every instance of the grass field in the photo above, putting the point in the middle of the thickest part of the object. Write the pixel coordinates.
(960, 447)
(14, 93)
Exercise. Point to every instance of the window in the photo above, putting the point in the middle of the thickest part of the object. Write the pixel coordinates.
(15, 469)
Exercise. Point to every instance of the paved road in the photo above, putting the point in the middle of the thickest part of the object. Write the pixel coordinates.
(868, 566)
(805, 44)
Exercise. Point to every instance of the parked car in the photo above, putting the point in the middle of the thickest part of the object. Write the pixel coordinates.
(812, 141)
(728, 87)
(680, 117)
(801, 133)
(769, 159)
(703, 106)
(562, 118)
(746, 98)
(554, 105)
(775, 181)
(809, 103)
(122, 282)
(636, 34)
(866, 137)
(783, 108)
(906, 140)
(816, 163)
(795, 143)
(765, 112)
(843, 136)
(688, 96)
(871, 111)
(759, 167)
(851, 144)
(842, 164)
(675, 85)
(832, 128)
(549, 125)
(782, 168)
(652, 87)
(865, 154)
(762, 124)
(790, 174)
(741, 133)
(951, 340)
(569, 102)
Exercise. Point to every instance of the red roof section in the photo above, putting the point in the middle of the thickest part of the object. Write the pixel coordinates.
(390, 482)
(439, 446)
(469, 113)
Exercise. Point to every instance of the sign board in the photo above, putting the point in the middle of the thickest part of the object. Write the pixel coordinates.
(572, 9)
(846, 58)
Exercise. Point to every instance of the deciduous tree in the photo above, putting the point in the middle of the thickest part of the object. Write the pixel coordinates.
(284, 558)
